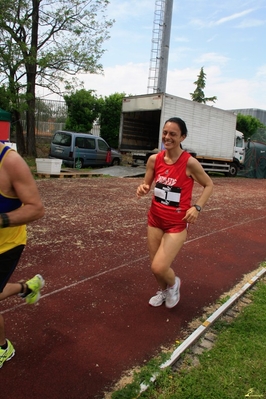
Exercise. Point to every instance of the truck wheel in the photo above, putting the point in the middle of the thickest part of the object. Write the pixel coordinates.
(78, 163)
(232, 170)
(115, 162)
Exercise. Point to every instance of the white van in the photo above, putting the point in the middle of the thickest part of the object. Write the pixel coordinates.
(80, 149)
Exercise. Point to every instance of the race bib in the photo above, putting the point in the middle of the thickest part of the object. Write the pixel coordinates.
(167, 195)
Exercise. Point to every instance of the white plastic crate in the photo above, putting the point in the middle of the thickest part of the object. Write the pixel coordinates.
(49, 166)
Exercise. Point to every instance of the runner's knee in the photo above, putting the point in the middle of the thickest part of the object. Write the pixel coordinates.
(158, 269)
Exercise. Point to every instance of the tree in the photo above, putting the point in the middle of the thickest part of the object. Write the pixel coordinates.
(110, 118)
(83, 109)
(198, 94)
(4, 99)
(248, 125)
(47, 43)
(9, 102)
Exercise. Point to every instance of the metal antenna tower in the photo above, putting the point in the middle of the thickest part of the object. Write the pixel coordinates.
(160, 46)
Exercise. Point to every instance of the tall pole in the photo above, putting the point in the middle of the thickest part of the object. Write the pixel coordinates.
(160, 46)
(163, 65)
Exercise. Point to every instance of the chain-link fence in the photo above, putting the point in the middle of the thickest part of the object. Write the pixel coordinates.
(51, 116)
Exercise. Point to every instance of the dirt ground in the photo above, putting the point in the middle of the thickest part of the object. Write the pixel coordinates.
(93, 321)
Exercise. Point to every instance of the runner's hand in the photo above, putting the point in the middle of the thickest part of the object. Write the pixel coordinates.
(191, 215)
(142, 189)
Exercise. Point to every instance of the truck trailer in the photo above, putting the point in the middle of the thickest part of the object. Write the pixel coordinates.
(212, 137)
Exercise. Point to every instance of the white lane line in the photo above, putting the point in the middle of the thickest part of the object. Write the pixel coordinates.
(66, 287)
(225, 229)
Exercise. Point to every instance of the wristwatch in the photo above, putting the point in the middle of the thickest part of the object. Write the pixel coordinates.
(197, 207)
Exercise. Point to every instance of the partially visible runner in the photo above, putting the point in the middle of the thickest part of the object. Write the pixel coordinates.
(20, 203)
(174, 171)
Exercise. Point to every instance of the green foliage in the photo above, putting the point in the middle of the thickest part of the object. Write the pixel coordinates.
(248, 125)
(198, 95)
(83, 109)
(70, 35)
(5, 98)
(110, 118)
(48, 44)
(13, 103)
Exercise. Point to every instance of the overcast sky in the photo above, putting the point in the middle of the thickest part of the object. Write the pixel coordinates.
(226, 38)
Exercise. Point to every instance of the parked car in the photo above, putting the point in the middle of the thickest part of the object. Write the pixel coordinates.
(80, 149)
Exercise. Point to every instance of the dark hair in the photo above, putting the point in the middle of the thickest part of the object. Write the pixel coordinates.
(180, 123)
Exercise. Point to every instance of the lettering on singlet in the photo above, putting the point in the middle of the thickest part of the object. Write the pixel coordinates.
(167, 195)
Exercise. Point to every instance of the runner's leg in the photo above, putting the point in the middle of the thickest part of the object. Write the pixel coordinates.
(163, 248)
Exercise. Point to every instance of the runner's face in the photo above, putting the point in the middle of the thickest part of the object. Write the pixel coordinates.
(171, 136)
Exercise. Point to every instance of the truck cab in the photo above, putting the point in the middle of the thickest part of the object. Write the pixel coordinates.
(239, 148)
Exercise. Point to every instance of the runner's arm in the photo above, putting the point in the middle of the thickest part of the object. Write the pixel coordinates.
(22, 185)
(145, 187)
(196, 171)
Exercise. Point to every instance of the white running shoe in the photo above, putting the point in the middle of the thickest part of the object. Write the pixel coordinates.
(158, 299)
(173, 294)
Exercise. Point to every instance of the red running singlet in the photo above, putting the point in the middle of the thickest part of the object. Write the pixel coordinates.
(172, 194)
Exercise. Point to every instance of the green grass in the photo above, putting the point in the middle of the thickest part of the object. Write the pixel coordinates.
(234, 368)
(30, 162)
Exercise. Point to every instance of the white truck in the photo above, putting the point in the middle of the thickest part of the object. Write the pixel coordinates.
(212, 137)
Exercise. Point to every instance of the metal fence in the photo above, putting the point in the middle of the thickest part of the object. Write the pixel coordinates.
(47, 129)
(51, 116)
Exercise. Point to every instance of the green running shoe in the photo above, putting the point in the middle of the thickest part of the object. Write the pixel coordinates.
(35, 285)
(6, 354)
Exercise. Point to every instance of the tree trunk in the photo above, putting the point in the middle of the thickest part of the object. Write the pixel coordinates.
(31, 68)
(19, 134)
(30, 119)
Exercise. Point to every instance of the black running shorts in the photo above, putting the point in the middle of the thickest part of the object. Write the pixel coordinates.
(8, 263)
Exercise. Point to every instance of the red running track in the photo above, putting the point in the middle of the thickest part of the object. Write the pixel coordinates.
(93, 321)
